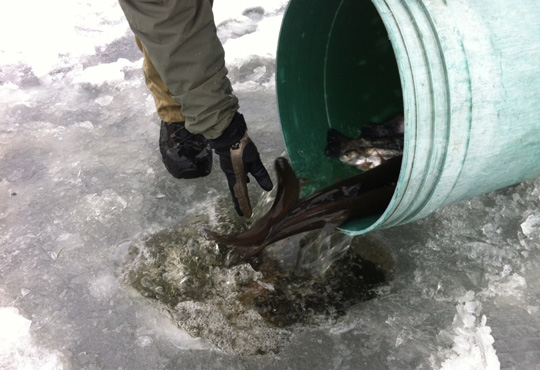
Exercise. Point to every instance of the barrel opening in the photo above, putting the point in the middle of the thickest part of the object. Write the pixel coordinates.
(336, 68)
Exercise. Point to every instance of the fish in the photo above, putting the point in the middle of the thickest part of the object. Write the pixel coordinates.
(362, 195)
(394, 127)
(377, 144)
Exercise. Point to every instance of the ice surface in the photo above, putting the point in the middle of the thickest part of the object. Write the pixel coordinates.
(250, 41)
(82, 187)
(71, 28)
(18, 348)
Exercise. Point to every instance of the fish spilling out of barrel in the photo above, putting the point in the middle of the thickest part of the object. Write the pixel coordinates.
(377, 152)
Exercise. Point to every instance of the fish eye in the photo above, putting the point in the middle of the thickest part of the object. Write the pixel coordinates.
(349, 154)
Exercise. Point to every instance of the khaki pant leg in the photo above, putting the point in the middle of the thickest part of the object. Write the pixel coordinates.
(180, 36)
(167, 109)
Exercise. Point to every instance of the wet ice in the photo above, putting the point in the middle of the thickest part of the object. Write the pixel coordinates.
(251, 307)
(81, 181)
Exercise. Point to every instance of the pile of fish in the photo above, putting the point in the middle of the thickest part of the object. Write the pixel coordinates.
(377, 144)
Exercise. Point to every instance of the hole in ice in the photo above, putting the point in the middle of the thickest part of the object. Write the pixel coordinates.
(252, 307)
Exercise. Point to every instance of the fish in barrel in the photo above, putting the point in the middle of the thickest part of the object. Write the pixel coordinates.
(376, 144)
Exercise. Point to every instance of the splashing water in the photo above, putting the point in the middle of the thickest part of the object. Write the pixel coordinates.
(251, 307)
(320, 250)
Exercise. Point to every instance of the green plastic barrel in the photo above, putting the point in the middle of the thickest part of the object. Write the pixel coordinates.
(465, 73)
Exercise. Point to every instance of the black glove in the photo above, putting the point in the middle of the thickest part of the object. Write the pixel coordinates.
(238, 156)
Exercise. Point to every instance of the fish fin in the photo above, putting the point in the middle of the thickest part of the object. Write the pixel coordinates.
(335, 220)
(380, 157)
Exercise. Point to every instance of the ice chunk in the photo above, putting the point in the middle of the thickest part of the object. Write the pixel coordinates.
(510, 288)
(105, 73)
(236, 28)
(471, 339)
(226, 10)
(14, 326)
(13, 94)
(86, 125)
(106, 206)
(103, 286)
(531, 225)
(17, 347)
(67, 241)
(342, 327)
(144, 341)
(104, 100)
(261, 43)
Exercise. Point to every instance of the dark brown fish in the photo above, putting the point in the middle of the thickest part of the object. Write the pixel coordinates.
(288, 191)
(394, 127)
(363, 195)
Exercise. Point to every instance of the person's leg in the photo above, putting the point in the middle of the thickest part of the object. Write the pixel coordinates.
(167, 109)
(184, 155)
(180, 38)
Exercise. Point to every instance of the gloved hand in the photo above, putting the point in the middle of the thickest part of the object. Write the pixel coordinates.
(237, 158)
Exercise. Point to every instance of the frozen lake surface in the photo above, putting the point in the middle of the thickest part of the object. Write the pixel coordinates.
(85, 201)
